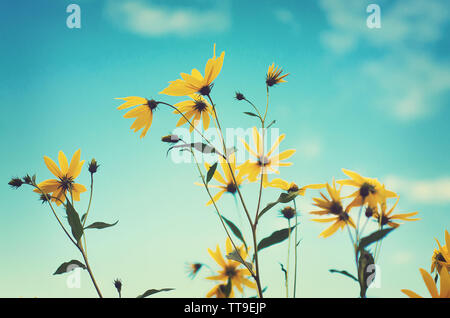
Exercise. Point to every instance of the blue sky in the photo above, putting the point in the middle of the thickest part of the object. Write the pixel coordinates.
(371, 100)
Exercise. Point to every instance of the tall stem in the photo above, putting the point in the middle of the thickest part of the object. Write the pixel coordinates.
(288, 257)
(295, 249)
(88, 267)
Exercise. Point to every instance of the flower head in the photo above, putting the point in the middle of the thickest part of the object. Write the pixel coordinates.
(193, 269)
(386, 218)
(264, 163)
(274, 75)
(196, 83)
(220, 291)
(93, 166)
(239, 96)
(231, 269)
(196, 108)
(226, 180)
(143, 112)
(441, 256)
(65, 181)
(334, 207)
(370, 191)
(288, 212)
(15, 183)
(431, 285)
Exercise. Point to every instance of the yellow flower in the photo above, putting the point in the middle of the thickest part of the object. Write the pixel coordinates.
(441, 257)
(386, 217)
(291, 187)
(431, 285)
(196, 83)
(230, 268)
(264, 163)
(333, 207)
(66, 178)
(370, 191)
(220, 292)
(143, 112)
(273, 75)
(227, 183)
(198, 108)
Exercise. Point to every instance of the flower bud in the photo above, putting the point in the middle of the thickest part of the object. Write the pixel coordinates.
(16, 183)
(239, 96)
(93, 166)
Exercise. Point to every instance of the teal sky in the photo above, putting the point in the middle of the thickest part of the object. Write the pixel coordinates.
(375, 101)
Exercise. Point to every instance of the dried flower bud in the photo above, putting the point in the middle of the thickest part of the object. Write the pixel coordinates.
(288, 212)
(118, 286)
(172, 139)
(369, 212)
(27, 179)
(239, 96)
(16, 183)
(93, 166)
(43, 198)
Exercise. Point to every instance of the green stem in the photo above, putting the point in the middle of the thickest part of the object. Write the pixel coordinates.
(288, 257)
(295, 249)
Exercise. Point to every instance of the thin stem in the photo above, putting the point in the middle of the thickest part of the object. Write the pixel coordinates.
(295, 250)
(88, 267)
(288, 256)
(255, 108)
(87, 212)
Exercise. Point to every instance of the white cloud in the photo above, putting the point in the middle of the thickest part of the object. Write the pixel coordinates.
(286, 16)
(310, 148)
(150, 19)
(406, 79)
(421, 191)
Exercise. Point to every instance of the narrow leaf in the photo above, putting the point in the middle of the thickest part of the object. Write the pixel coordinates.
(100, 225)
(153, 291)
(273, 122)
(69, 266)
(287, 197)
(235, 230)
(344, 273)
(235, 257)
(376, 236)
(199, 146)
(211, 172)
(275, 238)
(74, 221)
(251, 114)
(267, 208)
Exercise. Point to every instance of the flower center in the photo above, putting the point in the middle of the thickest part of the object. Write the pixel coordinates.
(152, 104)
(230, 271)
(336, 208)
(384, 220)
(367, 189)
(440, 257)
(205, 90)
(293, 188)
(65, 182)
(270, 81)
(231, 188)
(200, 106)
(263, 161)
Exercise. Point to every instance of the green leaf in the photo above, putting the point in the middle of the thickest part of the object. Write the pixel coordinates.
(273, 122)
(275, 238)
(199, 146)
(376, 236)
(235, 231)
(211, 172)
(74, 221)
(344, 273)
(69, 266)
(228, 287)
(283, 198)
(236, 257)
(153, 291)
(251, 114)
(366, 271)
(100, 225)
(83, 217)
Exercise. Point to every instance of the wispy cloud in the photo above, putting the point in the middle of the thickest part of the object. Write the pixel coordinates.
(150, 19)
(429, 191)
(286, 17)
(406, 77)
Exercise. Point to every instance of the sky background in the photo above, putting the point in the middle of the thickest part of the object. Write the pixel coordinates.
(375, 101)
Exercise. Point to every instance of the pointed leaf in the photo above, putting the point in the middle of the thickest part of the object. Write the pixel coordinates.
(344, 273)
(251, 114)
(153, 291)
(235, 230)
(211, 172)
(273, 122)
(236, 257)
(275, 238)
(376, 236)
(69, 266)
(74, 221)
(100, 225)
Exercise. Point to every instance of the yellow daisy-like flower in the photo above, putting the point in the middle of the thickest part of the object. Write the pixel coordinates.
(227, 183)
(143, 112)
(197, 108)
(386, 218)
(274, 75)
(66, 178)
(441, 257)
(230, 269)
(196, 83)
(370, 191)
(291, 187)
(220, 292)
(264, 163)
(334, 207)
(431, 285)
